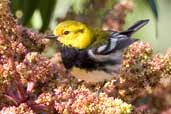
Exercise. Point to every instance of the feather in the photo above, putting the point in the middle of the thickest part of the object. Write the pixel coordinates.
(93, 76)
(120, 40)
(135, 27)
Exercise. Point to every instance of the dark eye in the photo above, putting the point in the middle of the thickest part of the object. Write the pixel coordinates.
(66, 32)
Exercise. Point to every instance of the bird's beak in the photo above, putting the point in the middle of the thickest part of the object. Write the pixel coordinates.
(51, 36)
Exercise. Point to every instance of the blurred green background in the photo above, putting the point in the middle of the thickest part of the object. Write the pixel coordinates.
(43, 15)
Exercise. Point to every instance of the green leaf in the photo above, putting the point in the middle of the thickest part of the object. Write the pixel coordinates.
(16, 5)
(46, 10)
(29, 6)
(153, 5)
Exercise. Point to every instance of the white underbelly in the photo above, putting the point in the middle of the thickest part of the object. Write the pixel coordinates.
(92, 76)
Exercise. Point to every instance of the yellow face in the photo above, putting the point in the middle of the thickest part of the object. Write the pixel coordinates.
(73, 33)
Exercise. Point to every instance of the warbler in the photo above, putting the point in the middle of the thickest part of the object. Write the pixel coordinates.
(92, 55)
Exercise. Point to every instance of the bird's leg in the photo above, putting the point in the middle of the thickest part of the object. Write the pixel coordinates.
(80, 82)
(100, 88)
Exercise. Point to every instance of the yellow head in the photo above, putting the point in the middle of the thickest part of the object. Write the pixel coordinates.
(73, 33)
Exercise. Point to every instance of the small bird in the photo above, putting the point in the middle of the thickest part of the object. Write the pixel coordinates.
(92, 55)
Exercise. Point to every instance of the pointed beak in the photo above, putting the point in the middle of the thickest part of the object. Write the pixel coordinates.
(51, 36)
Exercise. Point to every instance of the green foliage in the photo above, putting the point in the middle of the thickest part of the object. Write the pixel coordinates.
(59, 8)
(46, 8)
(28, 7)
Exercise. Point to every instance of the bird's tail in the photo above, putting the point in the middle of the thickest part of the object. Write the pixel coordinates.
(135, 27)
(138, 25)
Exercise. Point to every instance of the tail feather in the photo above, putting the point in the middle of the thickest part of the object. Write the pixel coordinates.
(135, 27)
(138, 25)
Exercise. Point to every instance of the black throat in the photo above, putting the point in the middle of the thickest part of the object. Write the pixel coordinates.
(79, 58)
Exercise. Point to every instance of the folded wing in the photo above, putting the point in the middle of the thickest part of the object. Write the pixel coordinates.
(111, 50)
